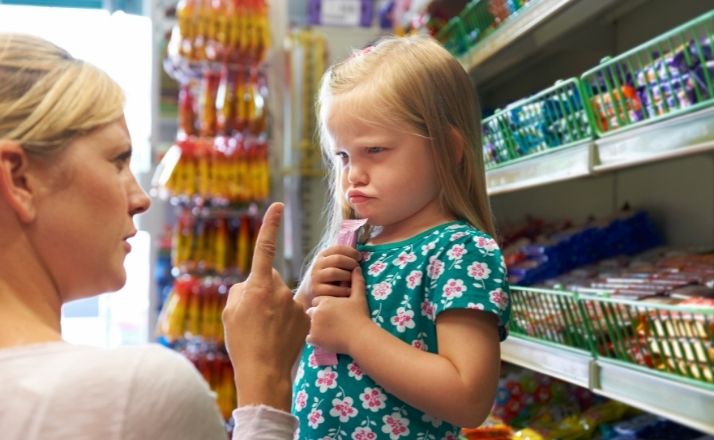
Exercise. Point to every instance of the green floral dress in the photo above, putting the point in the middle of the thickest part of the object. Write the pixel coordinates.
(451, 266)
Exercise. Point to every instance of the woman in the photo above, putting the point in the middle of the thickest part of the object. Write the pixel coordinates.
(67, 200)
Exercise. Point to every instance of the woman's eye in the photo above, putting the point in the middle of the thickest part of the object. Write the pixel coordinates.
(373, 150)
(122, 161)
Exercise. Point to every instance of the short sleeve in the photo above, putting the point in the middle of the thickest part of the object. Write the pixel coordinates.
(467, 271)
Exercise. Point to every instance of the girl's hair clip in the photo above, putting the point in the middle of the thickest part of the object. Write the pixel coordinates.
(361, 52)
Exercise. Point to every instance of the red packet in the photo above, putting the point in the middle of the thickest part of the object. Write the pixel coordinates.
(347, 236)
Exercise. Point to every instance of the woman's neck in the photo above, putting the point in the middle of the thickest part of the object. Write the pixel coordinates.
(30, 307)
(22, 324)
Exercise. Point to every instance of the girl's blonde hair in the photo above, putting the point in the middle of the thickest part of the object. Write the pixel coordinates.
(47, 97)
(412, 81)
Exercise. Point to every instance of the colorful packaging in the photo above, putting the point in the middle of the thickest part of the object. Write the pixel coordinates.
(347, 236)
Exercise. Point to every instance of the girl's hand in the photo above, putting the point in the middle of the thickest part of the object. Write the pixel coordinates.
(330, 274)
(334, 320)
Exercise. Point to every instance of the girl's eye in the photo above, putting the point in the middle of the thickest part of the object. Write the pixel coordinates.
(373, 150)
(342, 156)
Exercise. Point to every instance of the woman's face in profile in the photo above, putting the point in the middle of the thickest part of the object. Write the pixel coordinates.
(85, 206)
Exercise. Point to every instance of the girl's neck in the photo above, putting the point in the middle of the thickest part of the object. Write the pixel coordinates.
(385, 235)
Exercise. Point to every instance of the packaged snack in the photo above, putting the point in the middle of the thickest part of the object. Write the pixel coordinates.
(348, 236)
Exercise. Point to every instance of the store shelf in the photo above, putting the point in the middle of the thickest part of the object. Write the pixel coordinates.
(571, 366)
(684, 135)
(688, 404)
(549, 167)
(497, 52)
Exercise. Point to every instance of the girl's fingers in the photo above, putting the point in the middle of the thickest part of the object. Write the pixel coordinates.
(332, 290)
(338, 261)
(343, 250)
(331, 275)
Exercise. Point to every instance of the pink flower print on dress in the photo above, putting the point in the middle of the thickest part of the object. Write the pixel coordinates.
(474, 306)
(343, 409)
(403, 259)
(315, 418)
(429, 419)
(428, 309)
(456, 235)
(364, 433)
(499, 298)
(381, 290)
(312, 360)
(414, 279)
(487, 244)
(373, 399)
(479, 271)
(418, 343)
(428, 247)
(300, 400)
(456, 252)
(454, 289)
(435, 268)
(366, 256)
(396, 426)
(376, 268)
(403, 320)
(326, 379)
(300, 372)
(355, 371)
(450, 436)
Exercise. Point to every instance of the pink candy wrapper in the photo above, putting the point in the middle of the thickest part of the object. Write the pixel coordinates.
(347, 236)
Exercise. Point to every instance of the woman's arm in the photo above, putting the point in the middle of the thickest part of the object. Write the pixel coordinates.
(457, 385)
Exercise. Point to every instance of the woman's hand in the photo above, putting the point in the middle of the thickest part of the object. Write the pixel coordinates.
(265, 327)
(330, 274)
(334, 320)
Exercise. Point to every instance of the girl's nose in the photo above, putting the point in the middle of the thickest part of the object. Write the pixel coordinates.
(356, 174)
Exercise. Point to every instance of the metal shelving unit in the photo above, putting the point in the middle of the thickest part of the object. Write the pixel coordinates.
(524, 33)
(519, 38)
(685, 135)
(679, 401)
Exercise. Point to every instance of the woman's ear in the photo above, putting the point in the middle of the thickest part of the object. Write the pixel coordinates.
(457, 139)
(15, 188)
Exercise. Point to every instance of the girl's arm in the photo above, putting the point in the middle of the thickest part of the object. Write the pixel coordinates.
(457, 385)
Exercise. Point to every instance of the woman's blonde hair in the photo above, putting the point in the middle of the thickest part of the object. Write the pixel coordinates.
(412, 81)
(47, 97)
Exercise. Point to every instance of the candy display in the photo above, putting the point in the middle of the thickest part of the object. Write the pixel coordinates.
(624, 297)
(477, 19)
(533, 406)
(668, 74)
(548, 255)
(550, 119)
(215, 175)
(219, 245)
(223, 170)
(222, 30)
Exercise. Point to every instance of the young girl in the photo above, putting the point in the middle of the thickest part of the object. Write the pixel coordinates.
(419, 346)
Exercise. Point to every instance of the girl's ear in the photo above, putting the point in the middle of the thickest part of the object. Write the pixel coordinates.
(15, 189)
(457, 139)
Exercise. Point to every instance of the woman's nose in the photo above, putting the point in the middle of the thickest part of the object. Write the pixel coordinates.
(139, 201)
